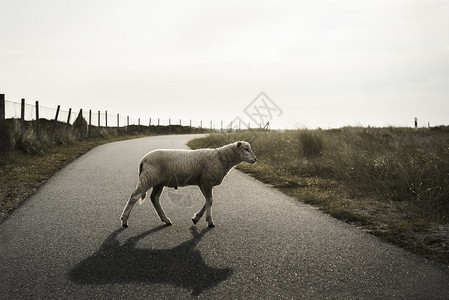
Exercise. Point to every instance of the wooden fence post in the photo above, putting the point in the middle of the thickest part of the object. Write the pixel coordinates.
(68, 119)
(56, 120)
(37, 119)
(106, 118)
(22, 115)
(22, 111)
(57, 112)
(4, 139)
(98, 119)
(69, 116)
(149, 123)
(90, 123)
(2, 107)
(118, 120)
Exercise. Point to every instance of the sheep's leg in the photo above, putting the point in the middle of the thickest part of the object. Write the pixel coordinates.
(136, 195)
(196, 217)
(208, 208)
(155, 194)
(207, 192)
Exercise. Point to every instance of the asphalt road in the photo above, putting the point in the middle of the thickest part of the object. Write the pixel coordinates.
(65, 242)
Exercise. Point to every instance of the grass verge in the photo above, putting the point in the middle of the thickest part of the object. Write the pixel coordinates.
(390, 182)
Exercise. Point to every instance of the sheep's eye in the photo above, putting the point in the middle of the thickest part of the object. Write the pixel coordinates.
(246, 149)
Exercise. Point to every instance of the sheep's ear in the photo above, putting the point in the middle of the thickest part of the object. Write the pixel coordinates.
(239, 144)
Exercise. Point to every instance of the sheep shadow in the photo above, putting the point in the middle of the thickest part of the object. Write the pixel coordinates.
(181, 266)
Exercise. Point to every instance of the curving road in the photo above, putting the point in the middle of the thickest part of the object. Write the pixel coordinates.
(65, 242)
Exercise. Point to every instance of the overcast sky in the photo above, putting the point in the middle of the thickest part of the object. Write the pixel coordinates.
(321, 63)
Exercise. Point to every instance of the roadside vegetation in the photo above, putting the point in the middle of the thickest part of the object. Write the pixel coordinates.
(391, 182)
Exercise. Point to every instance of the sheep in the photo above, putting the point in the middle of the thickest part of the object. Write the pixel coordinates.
(174, 168)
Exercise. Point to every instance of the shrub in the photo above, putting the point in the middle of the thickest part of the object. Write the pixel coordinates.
(312, 144)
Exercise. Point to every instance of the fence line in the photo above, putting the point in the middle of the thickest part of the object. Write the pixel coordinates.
(29, 112)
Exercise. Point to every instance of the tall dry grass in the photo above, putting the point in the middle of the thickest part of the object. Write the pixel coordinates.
(391, 164)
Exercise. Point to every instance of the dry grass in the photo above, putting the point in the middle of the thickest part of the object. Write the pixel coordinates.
(391, 182)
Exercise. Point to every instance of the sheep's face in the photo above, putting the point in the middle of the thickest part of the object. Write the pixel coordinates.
(246, 154)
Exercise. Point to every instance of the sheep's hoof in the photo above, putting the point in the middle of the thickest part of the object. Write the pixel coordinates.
(125, 225)
(168, 224)
(167, 221)
(210, 222)
(194, 221)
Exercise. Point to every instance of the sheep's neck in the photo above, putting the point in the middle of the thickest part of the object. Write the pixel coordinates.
(228, 160)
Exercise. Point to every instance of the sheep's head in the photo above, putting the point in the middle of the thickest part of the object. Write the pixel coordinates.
(246, 154)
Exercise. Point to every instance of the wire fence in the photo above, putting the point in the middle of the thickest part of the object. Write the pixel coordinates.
(28, 112)
(32, 127)
(31, 112)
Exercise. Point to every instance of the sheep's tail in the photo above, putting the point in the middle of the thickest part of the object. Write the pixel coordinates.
(144, 195)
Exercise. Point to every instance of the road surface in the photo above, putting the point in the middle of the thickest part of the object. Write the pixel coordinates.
(65, 242)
